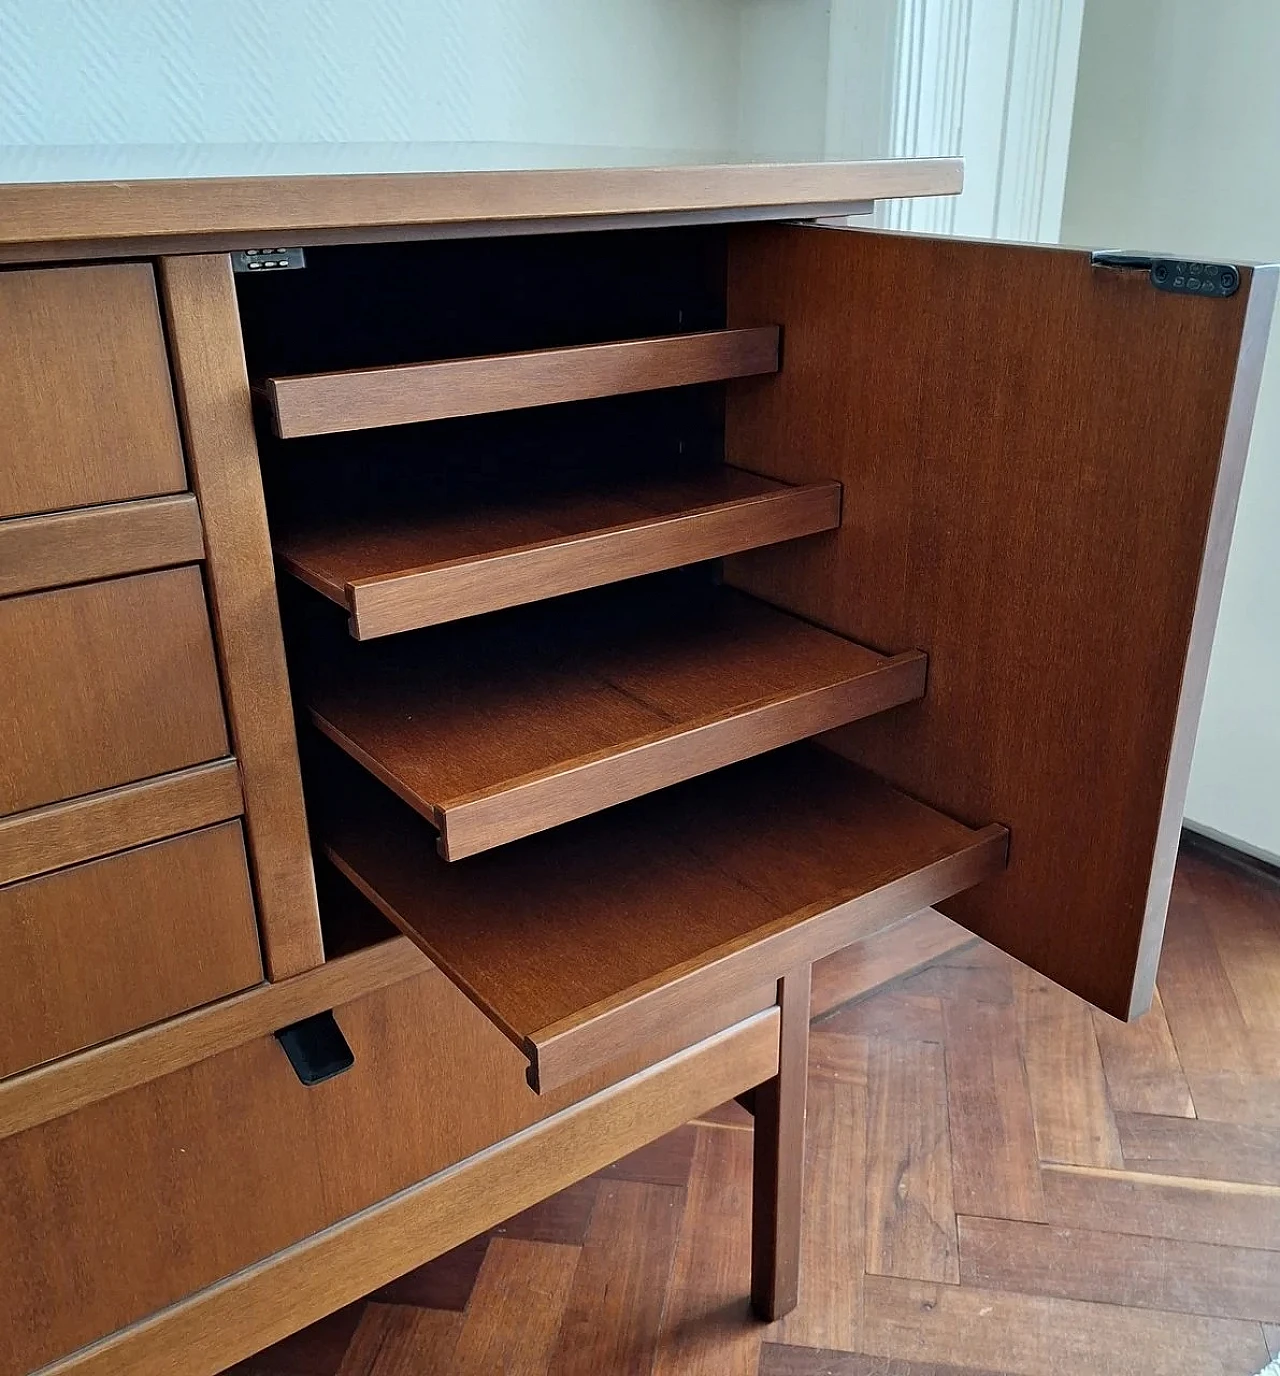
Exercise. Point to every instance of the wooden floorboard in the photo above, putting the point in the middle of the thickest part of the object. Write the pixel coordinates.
(1117, 1268)
(998, 1183)
(911, 1219)
(614, 1313)
(1140, 1061)
(994, 1160)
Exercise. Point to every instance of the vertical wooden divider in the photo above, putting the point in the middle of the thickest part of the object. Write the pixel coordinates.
(212, 389)
(777, 1181)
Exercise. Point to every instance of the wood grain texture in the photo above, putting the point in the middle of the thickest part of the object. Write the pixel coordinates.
(777, 1170)
(1245, 906)
(664, 1162)
(562, 1218)
(780, 1360)
(224, 211)
(401, 569)
(1200, 1004)
(267, 1300)
(498, 731)
(833, 1246)
(1230, 1096)
(875, 960)
(979, 974)
(1102, 1220)
(106, 947)
(86, 413)
(444, 1282)
(98, 542)
(995, 1164)
(1036, 1335)
(1132, 1201)
(910, 1215)
(1231, 1282)
(41, 1095)
(396, 1340)
(1069, 1103)
(619, 1287)
(890, 1016)
(213, 397)
(406, 393)
(60, 834)
(515, 1310)
(1179, 1146)
(707, 1329)
(104, 684)
(541, 934)
(990, 575)
(1140, 1060)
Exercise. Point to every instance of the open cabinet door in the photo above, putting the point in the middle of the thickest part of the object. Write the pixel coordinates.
(1041, 460)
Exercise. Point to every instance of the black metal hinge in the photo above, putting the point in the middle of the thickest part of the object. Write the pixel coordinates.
(267, 259)
(316, 1048)
(1179, 275)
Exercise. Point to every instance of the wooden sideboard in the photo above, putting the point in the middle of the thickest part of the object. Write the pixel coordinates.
(455, 690)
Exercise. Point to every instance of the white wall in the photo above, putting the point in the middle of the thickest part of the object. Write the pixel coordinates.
(103, 88)
(658, 73)
(782, 95)
(1175, 145)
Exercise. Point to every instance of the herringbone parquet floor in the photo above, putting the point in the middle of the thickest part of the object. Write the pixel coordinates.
(998, 1182)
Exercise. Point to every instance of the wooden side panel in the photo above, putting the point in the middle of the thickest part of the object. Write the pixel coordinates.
(213, 395)
(106, 947)
(104, 684)
(1041, 461)
(130, 1204)
(86, 410)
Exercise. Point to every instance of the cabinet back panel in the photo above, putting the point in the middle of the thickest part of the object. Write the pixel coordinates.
(1030, 449)
(371, 305)
(393, 304)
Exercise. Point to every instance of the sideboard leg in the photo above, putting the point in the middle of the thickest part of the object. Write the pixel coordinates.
(778, 1167)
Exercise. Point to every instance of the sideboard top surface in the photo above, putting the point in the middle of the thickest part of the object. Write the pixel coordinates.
(171, 204)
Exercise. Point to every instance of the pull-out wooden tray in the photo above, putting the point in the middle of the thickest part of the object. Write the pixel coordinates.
(649, 919)
(500, 728)
(363, 398)
(398, 570)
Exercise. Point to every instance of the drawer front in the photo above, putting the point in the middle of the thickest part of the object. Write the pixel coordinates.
(111, 1212)
(86, 411)
(104, 684)
(103, 948)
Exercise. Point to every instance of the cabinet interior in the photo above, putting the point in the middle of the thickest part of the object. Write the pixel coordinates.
(535, 723)
(368, 306)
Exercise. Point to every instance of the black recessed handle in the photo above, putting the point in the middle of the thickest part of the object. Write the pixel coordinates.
(316, 1048)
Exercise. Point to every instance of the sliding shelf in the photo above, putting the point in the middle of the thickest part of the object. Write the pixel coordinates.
(658, 922)
(398, 570)
(497, 729)
(403, 394)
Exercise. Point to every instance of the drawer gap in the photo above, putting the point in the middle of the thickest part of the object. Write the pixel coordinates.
(504, 726)
(587, 941)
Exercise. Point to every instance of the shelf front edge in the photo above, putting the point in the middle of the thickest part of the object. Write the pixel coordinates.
(577, 1044)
